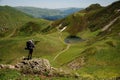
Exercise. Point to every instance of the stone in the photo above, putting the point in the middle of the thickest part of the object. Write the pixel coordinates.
(3, 66)
(40, 66)
(11, 67)
(37, 66)
(77, 63)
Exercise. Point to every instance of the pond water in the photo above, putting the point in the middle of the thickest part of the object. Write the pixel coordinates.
(73, 39)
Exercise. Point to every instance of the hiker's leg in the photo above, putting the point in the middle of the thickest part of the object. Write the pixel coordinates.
(31, 51)
(29, 55)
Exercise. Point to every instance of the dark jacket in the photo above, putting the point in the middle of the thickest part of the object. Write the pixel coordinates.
(30, 45)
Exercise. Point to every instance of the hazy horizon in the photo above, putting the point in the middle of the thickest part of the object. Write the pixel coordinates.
(53, 4)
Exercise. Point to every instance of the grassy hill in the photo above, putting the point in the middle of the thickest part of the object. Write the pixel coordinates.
(96, 57)
(93, 17)
(18, 27)
(12, 20)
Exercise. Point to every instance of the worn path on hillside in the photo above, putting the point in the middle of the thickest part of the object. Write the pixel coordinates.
(67, 47)
(111, 23)
(10, 35)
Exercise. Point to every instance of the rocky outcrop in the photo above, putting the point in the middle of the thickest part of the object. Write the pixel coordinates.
(77, 63)
(38, 66)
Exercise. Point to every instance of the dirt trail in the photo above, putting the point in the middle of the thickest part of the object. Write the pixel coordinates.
(64, 50)
(11, 34)
(63, 29)
(108, 25)
(68, 46)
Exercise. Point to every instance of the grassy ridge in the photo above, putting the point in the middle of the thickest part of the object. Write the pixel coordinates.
(12, 20)
(93, 17)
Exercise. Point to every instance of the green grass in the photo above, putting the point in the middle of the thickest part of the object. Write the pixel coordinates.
(101, 55)
(103, 62)
(101, 52)
(12, 49)
(7, 74)
(73, 52)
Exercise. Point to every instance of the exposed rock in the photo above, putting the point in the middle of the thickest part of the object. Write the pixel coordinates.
(77, 63)
(11, 67)
(2, 66)
(40, 66)
(118, 10)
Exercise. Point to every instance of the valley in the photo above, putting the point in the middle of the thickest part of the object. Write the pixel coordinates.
(48, 14)
(95, 57)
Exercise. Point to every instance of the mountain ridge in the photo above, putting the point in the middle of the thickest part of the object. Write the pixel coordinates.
(49, 14)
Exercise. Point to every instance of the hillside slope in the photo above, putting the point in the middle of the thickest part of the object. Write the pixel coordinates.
(16, 28)
(12, 19)
(93, 17)
(97, 56)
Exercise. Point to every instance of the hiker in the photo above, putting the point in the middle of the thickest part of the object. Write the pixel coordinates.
(30, 46)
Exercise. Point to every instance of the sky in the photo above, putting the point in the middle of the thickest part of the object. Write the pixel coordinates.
(55, 3)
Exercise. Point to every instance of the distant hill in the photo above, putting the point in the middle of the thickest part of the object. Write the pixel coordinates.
(12, 19)
(49, 14)
(93, 7)
(68, 11)
(93, 17)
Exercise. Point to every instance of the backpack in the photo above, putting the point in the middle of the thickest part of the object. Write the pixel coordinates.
(29, 45)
